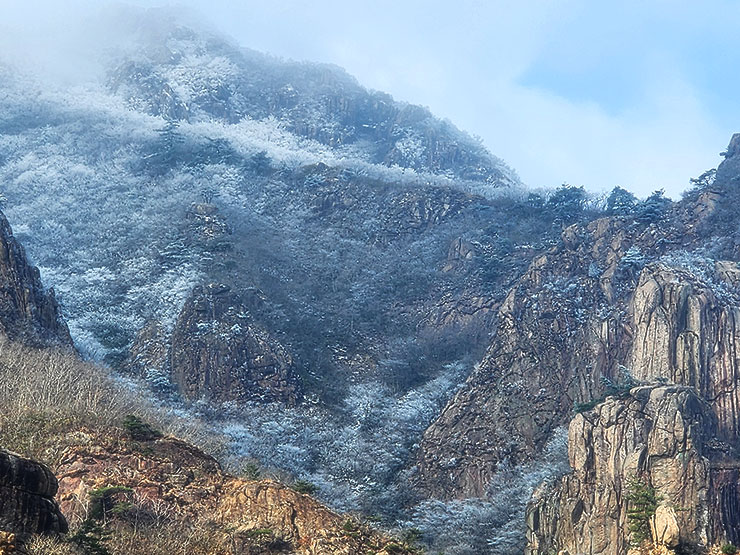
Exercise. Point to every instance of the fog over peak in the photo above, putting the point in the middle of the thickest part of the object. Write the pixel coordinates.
(564, 92)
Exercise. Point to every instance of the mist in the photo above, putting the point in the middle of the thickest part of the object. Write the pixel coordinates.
(488, 67)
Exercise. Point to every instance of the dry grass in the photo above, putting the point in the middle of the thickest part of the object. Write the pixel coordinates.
(171, 539)
(45, 545)
(47, 394)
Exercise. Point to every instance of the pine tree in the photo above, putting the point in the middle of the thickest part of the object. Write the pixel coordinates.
(643, 501)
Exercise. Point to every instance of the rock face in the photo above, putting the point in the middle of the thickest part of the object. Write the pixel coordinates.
(560, 329)
(588, 310)
(28, 313)
(686, 332)
(662, 435)
(217, 351)
(616, 296)
(178, 483)
(27, 505)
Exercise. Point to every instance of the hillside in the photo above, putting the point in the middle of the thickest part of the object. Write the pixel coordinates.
(312, 282)
(620, 304)
(268, 276)
(111, 482)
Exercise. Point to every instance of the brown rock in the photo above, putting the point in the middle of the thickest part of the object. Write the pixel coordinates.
(664, 526)
(217, 351)
(558, 332)
(27, 505)
(172, 478)
(28, 313)
(686, 331)
(579, 314)
(661, 434)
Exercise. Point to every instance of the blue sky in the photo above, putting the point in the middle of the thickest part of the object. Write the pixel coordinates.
(637, 94)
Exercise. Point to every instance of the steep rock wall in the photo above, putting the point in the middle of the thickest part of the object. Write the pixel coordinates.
(217, 351)
(686, 332)
(172, 478)
(665, 437)
(28, 313)
(562, 327)
(588, 310)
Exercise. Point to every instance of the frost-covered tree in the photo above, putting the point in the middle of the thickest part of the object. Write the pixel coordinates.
(653, 208)
(567, 203)
(620, 202)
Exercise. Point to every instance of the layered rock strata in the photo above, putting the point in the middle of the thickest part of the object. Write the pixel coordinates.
(27, 504)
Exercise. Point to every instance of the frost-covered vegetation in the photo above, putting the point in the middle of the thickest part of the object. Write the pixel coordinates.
(194, 161)
(493, 524)
(358, 457)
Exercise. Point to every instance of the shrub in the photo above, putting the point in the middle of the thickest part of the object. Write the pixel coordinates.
(139, 430)
(303, 486)
(90, 538)
(251, 471)
(50, 545)
(621, 386)
(729, 549)
(103, 501)
(258, 532)
(412, 536)
(586, 406)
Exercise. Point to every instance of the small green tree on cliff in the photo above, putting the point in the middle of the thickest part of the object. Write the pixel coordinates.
(643, 501)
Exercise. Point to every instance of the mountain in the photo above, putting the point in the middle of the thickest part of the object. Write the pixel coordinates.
(620, 306)
(314, 282)
(184, 75)
(122, 485)
(314, 273)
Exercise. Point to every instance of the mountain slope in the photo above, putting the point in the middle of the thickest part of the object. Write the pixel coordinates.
(317, 270)
(650, 297)
(362, 263)
(123, 487)
(181, 74)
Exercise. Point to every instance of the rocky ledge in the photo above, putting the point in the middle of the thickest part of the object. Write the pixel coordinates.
(27, 504)
(168, 481)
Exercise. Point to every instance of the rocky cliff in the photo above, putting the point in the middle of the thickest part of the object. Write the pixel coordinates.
(167, 483)
(27, 504)
(685, 331)
(562, 327)
(618, 301)
(28, 312)
(217, 351)
(613, 295)
(663, 437)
